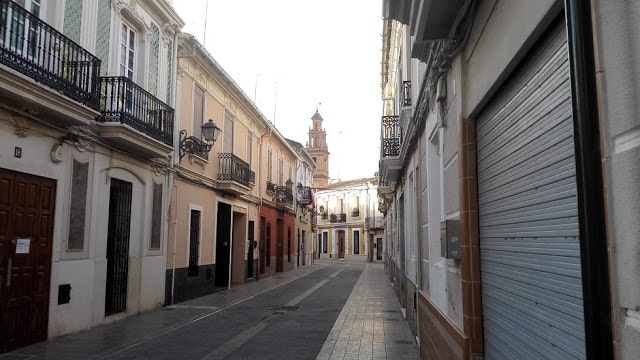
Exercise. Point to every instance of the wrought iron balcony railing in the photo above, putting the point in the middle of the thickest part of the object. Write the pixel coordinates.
(406, 93)
(271, 187)
(372, 222)
(235, 169)
(338, 218)
(35, 49)
(123, 101)
(283, 195)
(391, 136)
(355, 213)
(324, 215)
(304, 195)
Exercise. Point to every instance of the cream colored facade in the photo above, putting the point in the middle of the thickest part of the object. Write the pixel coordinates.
(215, 204)
(305, 206)
(349, 222)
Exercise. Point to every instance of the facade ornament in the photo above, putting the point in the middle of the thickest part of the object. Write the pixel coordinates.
(21, 125)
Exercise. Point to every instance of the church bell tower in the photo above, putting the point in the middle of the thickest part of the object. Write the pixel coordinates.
(317, 148)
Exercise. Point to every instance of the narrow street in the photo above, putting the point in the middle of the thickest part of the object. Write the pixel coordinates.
(332, 310)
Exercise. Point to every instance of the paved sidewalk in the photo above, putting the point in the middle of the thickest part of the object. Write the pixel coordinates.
(371, 324)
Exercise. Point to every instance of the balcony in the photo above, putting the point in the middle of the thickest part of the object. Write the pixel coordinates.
(33, 48)
(391, 137)
(355, 213)
(304, 195)
(338, 218)
(271, 188)
(283, 195)
(133, 119)
(234, 174)
(436, 18)
(374, 222)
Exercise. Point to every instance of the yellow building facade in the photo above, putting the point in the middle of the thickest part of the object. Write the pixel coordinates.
(348, 221)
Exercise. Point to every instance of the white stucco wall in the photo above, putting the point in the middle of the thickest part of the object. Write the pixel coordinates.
(618, 74)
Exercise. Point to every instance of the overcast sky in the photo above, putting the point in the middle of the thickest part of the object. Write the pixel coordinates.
(291, 56)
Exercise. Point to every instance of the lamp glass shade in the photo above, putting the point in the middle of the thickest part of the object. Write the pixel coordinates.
(210, 131)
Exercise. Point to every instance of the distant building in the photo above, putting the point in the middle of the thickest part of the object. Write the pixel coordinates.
(305, 221)
(349, 222)
(317, 148)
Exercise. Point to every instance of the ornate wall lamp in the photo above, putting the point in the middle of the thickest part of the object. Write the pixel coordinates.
(198, 147)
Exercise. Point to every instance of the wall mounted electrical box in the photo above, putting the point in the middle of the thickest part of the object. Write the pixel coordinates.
(450, 239)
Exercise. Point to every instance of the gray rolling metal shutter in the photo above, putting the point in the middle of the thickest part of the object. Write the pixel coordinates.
(529, 239)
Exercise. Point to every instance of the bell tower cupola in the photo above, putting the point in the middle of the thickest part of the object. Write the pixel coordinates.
(317, 148)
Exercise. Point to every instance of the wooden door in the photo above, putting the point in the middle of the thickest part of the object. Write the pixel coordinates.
(280, 247)
(27, 205)
(340, 244)
(262, 245)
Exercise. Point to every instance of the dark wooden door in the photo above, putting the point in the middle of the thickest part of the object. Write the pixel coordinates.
(223, 245)
(118, 235)
(250, 248)
(279, 245)
(379, 248)
(27, 205)
(194, 244)
(340, 244)
(262, 245)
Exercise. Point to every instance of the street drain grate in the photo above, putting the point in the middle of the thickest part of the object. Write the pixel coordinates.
(391, 319)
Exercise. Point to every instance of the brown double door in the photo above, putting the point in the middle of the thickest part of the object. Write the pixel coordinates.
(27, 206)
(340, 244)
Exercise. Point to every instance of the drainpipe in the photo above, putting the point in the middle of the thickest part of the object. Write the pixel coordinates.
(593, 237)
